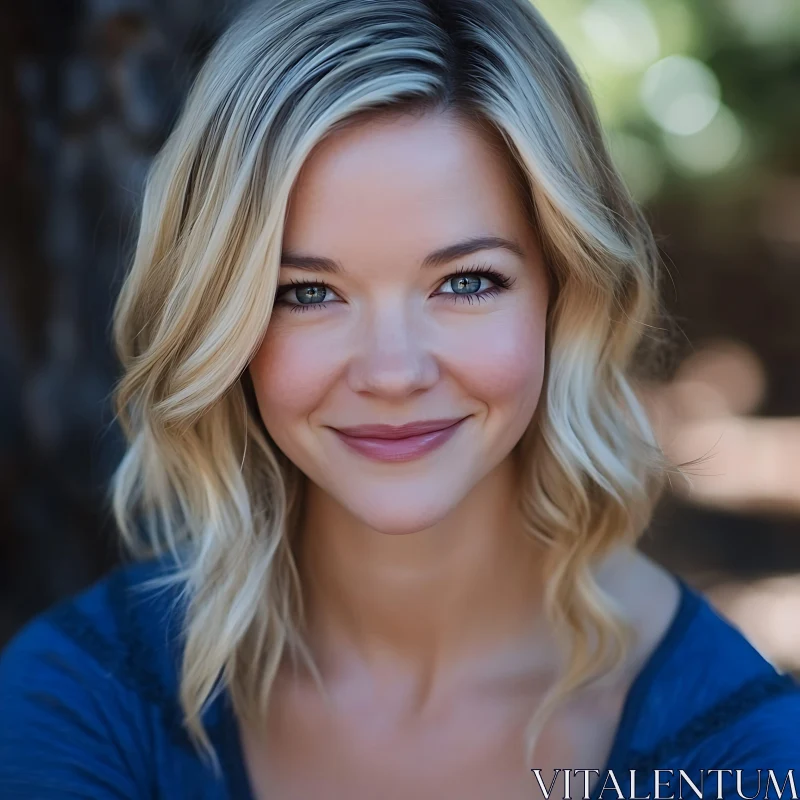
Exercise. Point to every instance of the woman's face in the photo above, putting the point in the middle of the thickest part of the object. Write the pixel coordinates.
(391, 311)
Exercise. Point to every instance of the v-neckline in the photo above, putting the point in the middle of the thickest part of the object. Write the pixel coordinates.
(229, 746)
(639, 689)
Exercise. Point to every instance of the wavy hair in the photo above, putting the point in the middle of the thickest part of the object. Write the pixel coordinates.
(201, 478)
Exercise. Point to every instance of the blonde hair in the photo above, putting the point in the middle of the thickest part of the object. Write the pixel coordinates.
(201, 479)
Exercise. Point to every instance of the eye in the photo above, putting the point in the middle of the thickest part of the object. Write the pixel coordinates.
(470, 284)
(477, 283)
(305, 295)
(466, 284)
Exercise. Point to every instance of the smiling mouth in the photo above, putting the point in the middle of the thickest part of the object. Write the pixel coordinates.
(399, 442)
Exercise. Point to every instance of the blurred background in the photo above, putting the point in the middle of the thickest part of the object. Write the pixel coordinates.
(701, 102)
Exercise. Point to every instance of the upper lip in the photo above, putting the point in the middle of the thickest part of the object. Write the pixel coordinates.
(399, 431)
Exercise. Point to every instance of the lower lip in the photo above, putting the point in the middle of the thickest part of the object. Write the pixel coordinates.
(406, 449)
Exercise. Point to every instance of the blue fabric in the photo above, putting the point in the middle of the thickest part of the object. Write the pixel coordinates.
(89, 709)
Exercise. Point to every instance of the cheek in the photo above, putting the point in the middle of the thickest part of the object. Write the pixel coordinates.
(501, 361)
(291, 372)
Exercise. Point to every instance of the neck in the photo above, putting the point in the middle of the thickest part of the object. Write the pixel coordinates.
(461, 591)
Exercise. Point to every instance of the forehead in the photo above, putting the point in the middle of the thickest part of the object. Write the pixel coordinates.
(410, 183)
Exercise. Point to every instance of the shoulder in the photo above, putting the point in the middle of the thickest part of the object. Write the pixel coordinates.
(81, 686)
(713, 700)
(125, 627)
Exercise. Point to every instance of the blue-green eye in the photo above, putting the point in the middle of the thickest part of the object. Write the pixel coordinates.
(475, 283)
(466, 284)
(314, 293)
(302, 295)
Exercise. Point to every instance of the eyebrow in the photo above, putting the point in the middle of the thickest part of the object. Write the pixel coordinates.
(435, 259)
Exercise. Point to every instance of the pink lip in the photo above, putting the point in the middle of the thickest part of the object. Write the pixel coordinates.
(401, 442)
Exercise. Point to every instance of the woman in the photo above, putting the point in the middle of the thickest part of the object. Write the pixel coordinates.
(387, 464)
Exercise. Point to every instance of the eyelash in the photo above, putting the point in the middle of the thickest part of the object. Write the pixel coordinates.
(501, 283)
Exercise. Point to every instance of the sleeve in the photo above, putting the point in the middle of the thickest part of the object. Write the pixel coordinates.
(68, 729)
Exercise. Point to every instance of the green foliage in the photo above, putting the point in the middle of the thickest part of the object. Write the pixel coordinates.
(690, 90)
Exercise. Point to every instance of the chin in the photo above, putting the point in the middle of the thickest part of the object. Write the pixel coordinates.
(398, 515)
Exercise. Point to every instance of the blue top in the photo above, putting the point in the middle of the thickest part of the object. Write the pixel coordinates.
(89, 709)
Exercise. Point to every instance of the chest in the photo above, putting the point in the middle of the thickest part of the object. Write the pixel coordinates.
(466, 748)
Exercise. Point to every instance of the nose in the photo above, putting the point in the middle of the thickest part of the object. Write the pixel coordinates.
(393, 358)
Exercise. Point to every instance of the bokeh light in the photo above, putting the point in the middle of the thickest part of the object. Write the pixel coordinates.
(711, 149)
(680, 94)
(622, 31)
